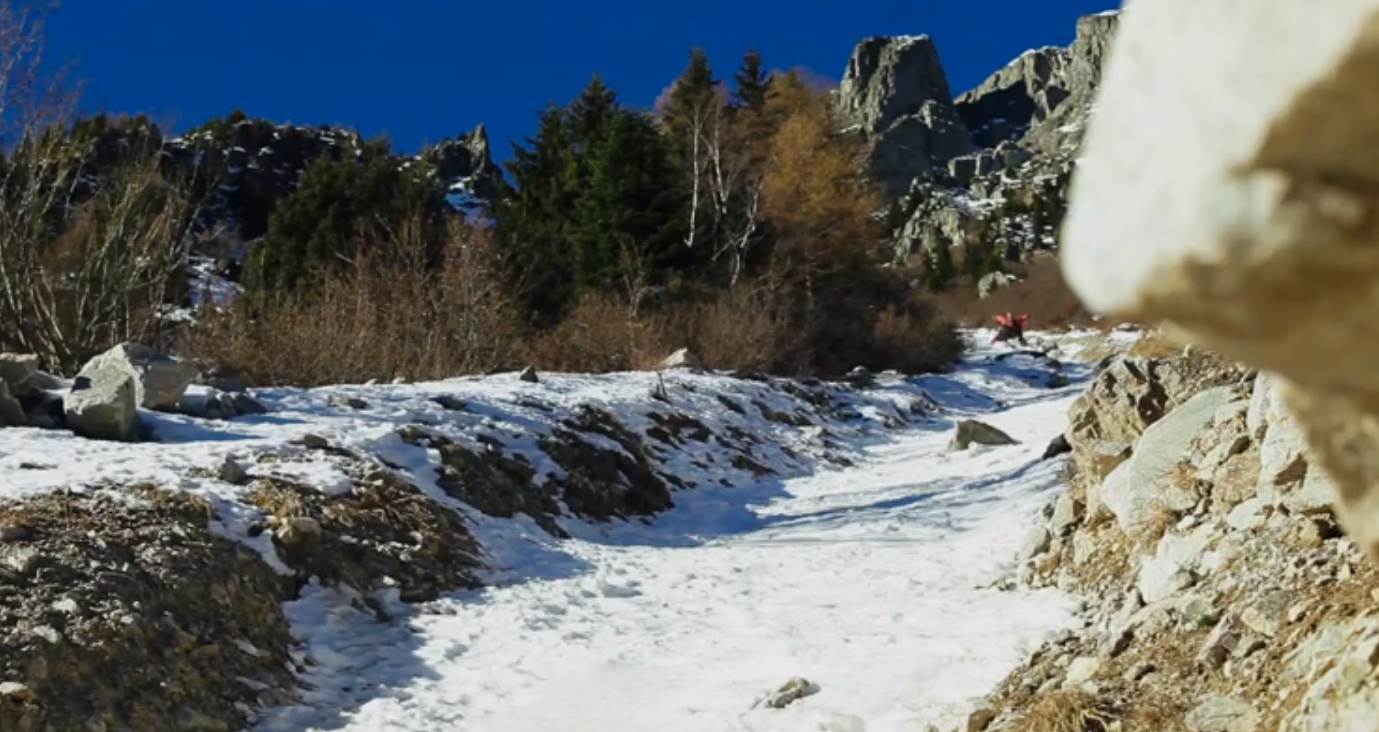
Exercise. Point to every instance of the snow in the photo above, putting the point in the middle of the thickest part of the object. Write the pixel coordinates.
(874, 581)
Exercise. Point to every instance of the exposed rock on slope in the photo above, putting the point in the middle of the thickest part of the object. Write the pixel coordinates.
(1236, 603)
(1231, 195)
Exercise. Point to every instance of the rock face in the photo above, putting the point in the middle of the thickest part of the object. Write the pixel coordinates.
(889, 78)
(1226, 197)
(465, 164)
(1007, 183)
(1009, 102)
(896, 95)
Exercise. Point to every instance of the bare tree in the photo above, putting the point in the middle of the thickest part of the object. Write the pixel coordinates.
(88, 258)
(725, 181)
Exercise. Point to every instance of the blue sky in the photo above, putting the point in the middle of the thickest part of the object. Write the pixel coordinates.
(426, 69)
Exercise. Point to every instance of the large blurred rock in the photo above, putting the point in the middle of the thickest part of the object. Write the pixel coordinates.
(1229, 189)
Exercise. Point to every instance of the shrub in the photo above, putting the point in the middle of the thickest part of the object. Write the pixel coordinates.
(393, 313)
(1041, 291)
(600, 335)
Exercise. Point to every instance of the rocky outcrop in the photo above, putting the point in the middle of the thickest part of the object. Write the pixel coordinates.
(465, 164)
(1008, 103)
(896, 95)
(1062, 130)
(1007, 185)
(889, 78)
(1227, 199)
(1241, 606)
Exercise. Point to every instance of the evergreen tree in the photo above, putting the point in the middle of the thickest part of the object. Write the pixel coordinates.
(752, 83)
(629, 200)
(691, 99)
(595, 179)
(530, 216)
(588, 114)
(939, 269)
(334, 206)
(895, 217)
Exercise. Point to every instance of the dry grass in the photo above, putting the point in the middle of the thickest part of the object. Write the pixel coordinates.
(1147, 535)
(1067, 711)
(600, 335)
(1111, 561)
(1155, 344)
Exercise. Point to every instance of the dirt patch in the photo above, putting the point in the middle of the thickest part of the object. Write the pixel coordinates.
(132, 615)
(384, 533)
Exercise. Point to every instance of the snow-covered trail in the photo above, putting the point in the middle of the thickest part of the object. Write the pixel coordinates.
(873, 582)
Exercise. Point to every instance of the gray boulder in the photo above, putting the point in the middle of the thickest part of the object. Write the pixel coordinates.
(1223, 714)
(17, 370)
(1175, 564)
(972, 432)
(682, 359)
(104, 402)
(162, 379)
(11, 411)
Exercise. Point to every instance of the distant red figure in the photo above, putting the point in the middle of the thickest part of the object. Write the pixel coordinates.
(1012, 328)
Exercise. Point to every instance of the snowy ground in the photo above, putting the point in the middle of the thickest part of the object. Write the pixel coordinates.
(872, 581)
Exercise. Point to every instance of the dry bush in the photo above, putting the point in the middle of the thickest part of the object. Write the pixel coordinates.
(740, 330)
(914, 341)
(391, 314)
(601, 335)
(1042, 292)
(1067, 711)
(88, 257)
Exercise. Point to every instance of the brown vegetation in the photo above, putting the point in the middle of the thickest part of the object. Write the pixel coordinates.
(1041, 291)
(84, 263)
(1067, 711)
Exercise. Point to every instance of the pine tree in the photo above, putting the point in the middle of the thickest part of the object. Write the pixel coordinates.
(595, 179)
(691, 99)
(530, 217)
(939, 270)
(895, 217)
(335, 205)
(752, 82)
(589, 112)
